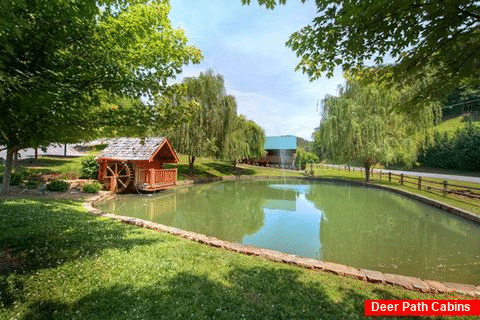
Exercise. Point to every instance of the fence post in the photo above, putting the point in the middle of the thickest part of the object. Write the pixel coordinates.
(445, 188)
(401, 179)
(380, 174)
(389, 176)
(419, 183)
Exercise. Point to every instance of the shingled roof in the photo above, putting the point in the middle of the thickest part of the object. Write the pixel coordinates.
(132, 148)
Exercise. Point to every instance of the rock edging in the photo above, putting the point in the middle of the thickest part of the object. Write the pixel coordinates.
(409, 283)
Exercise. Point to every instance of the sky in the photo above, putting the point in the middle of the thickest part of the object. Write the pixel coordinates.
(246, 45)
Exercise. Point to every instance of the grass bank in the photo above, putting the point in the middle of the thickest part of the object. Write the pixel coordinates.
(211, 168)
(61, 263)
(469, 204)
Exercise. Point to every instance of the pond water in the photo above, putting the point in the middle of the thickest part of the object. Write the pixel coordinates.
(352, 225)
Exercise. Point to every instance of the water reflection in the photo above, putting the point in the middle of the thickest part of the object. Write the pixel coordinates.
(382, 231)
(292, 223)
(360, 227)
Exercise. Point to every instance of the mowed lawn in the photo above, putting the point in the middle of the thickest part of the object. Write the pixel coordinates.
(59, 262)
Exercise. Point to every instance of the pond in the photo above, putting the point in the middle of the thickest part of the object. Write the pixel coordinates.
(351, 225)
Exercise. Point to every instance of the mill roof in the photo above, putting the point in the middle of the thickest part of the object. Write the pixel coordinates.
(134, 148)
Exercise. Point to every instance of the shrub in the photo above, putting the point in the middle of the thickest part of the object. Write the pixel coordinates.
(32, 184)
(58, 185)
(18, 176)
(459, 152)
(89, 168)
(93, 187)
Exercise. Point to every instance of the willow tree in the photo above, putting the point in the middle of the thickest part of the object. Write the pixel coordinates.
(206, 133)
(215, 128)
(363, 125)
(235, 146)
(255, 137)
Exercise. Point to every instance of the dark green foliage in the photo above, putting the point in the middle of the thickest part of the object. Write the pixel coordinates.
(89, 168)
(463, 99)
(32, 184)
(304, 157)
(460, 152)
(416, 34)
(58, 185)
(18, 176)
(93, 187)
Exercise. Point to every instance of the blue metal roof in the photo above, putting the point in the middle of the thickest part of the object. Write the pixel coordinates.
(280, 142)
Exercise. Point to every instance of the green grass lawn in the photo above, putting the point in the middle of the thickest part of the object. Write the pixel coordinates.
(211, 168)
(61, 263)
(453, 124)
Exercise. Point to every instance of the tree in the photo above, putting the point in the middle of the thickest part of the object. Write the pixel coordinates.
(304, 157)
(255, 138)
(236, 146)
(59, 58)
(363, 125)
(244, 139)
(462, 99)
(205, 134)
(416, 34)
(215, 129)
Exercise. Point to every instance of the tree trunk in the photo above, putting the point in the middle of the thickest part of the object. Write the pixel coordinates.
(367, 166)
(7, 172)
(36, 154)
(191, 160)
(65, 150)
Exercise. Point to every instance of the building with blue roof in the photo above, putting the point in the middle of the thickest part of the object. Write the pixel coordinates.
(281, 143)
(280, 152)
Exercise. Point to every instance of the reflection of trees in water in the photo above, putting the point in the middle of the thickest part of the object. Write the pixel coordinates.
(380, 230)
(158, 208)
(228, 210)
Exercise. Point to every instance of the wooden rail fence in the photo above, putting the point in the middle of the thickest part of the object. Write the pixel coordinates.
(421, 183)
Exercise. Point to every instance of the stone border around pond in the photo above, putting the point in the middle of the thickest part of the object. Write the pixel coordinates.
(410, 283)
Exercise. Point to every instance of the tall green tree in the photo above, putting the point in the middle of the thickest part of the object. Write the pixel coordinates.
(444, 35)
(363, 125)
(205, 134)
(255, 137)
(58, 58)
(215, 129)
(236, 145)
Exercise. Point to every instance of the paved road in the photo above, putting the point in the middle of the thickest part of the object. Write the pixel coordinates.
(426, 175)
(54, 150)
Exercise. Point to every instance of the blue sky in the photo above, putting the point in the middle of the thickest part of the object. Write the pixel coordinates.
(246, 44)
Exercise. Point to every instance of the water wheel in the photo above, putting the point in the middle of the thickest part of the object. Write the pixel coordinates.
(118, 177)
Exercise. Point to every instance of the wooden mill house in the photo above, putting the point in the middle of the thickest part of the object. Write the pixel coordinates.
(130, 164)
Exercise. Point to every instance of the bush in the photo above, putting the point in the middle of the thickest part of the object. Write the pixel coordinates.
(58, 185)
(93, 187)
(460, 152)
(89, 168)
(33, 184)
(18, 176)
